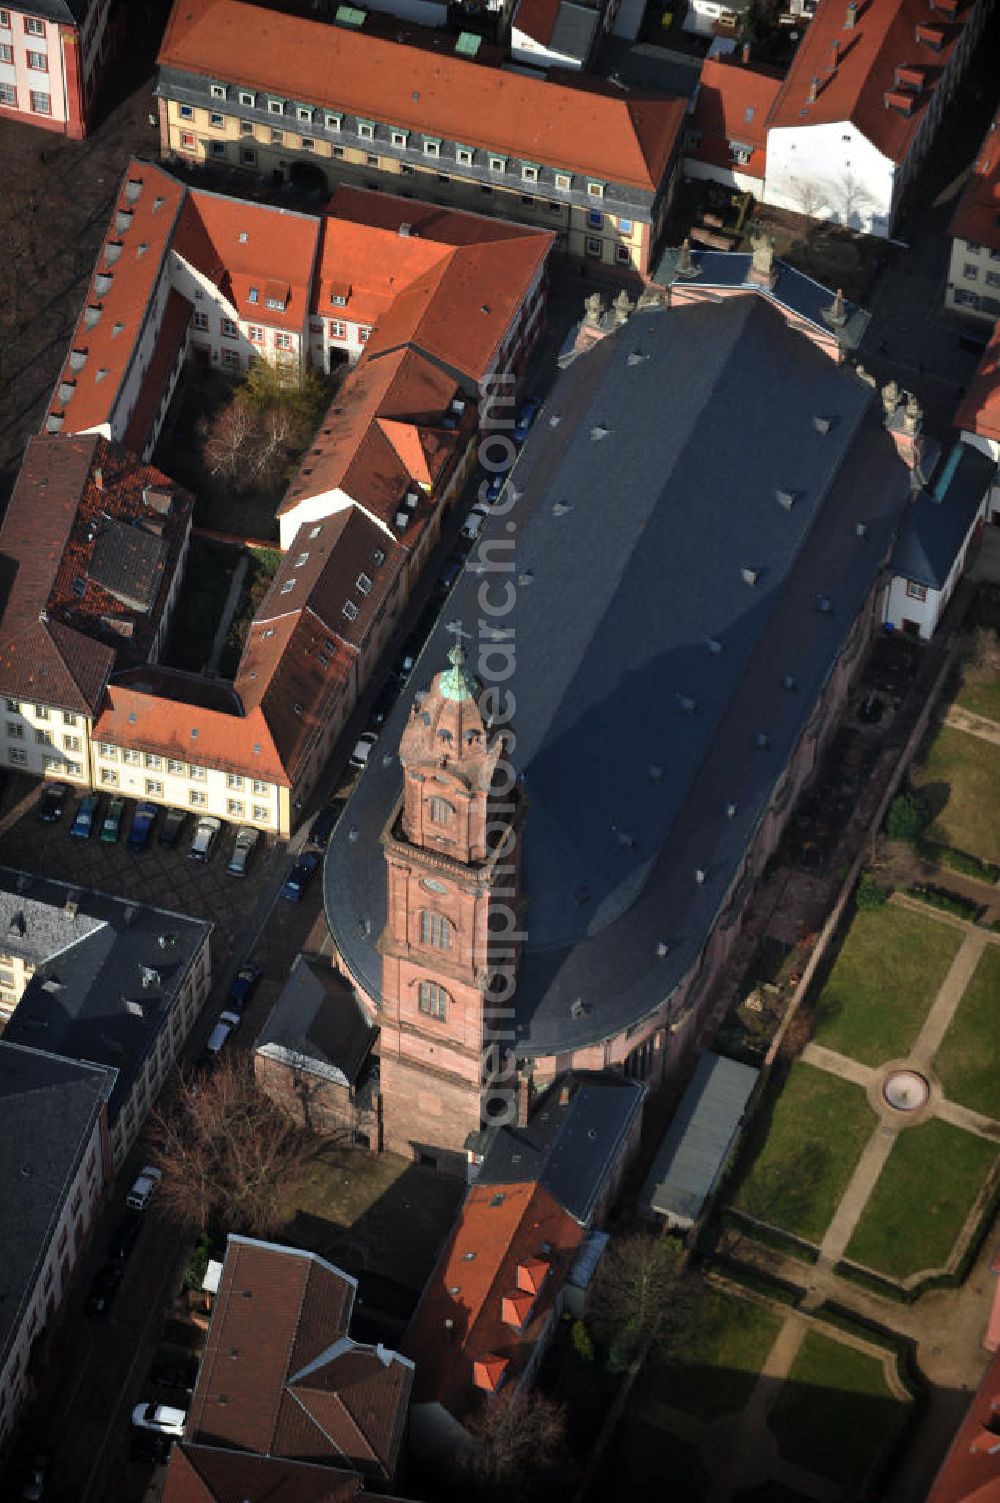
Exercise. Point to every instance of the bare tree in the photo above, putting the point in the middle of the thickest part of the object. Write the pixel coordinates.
(518, 1450)
(228, 1153)
(808, 197)
(230, 440)
(639, 1292)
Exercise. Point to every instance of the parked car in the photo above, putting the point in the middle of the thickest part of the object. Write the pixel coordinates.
(173, 823)
(405, 665)
(224, 1026)
(52, 802)
(103, 1289)
(491, 489)
(86, 817)
(174, 1375)
(363, 749)
(144, 1189)
(300, 876)
(126, 1235)
(205, 835)
(34, 1485)
(243, 849)
(159, 1417)
(111, 827)
(529, 411)
(325, 822)
(472, 526)
(382, 704)
(448, 575)
(244, 981)
(141, 827)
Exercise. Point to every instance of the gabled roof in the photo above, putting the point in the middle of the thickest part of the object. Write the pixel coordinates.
(939, 520)
(49, 1109)
(979, 410)
(245, 247)
(125, 274)
(215, 1474)
(977, 214)
(79, 509)
(317, 1024)
(281, 1377)
(884, 38)
(732, 106)
(500, 1228)
(609, 136)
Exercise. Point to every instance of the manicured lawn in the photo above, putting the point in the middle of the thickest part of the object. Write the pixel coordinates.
(968, 1061)
(921, 1200)
(803, 1152)
(835, 1413)
(961, 778)
(883, 982)
(646, 1464)
(718, 1365)
(981, 697)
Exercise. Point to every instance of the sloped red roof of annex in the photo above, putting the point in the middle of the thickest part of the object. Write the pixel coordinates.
(216, 1474)
(883, 38)
(611, 137)
(502, 1225)
(977, 214)
(728, 94)
(537, 19)
(979, 410)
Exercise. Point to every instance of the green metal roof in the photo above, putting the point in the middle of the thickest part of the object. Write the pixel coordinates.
(350, 15)
(468, 44)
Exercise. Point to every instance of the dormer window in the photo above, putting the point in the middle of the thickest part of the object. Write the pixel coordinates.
(465, 156)
(276, 106)
(366, 130)
(253, 295)
(498, 164)
(247, 100)
(303, 114)
(529, 171)
(595, 190)
(432, 146)
(350, 610)
(333, 122)
(399, 137)
(363, 584)
(217, 90)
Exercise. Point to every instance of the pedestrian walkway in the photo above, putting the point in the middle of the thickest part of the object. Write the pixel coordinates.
(839, 1064)
(949, 995)
(972, 724)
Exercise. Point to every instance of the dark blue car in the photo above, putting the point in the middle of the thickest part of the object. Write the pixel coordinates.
(525, 418)
(300, 876)
(141, 827)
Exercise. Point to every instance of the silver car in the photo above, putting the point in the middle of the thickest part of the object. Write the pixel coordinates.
(246, 844)
(204, 838)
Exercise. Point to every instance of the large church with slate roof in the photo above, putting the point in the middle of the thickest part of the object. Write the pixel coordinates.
(668, 612)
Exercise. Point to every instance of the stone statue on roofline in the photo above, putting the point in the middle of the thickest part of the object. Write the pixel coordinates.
(763, 250)
(623, 307)
(913, 415)
(891, 396)
(593, 309)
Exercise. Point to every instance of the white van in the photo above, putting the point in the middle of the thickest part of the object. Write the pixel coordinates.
(141, 1193)
(219, 1034)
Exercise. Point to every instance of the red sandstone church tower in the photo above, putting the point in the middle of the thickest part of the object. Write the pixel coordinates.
(451, 940)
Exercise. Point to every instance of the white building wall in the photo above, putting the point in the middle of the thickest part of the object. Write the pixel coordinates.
(902, 605)
(69, 1236)
(729, 177)
(181, 785)
(524, 49)
(230, 352)
(974, 281)
(830, 172)
(44, 741)
(315, 508)
(51, 81)
(702, 17)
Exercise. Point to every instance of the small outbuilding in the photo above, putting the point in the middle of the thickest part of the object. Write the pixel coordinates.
(698, 1141)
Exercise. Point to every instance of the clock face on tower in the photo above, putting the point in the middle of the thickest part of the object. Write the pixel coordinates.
(433, 886)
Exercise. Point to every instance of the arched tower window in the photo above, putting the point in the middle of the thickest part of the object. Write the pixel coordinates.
(432, 999)
(435, 929)
(442, 813)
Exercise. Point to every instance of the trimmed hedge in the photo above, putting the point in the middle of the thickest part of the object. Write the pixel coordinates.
(770, 1236)
(958, 861)
(948, 902)
(758, 1282)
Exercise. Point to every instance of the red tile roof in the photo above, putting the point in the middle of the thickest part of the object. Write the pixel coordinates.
(977, 216)
(970, 1473)
(65, 623)
(146, 210)
(240, 245)
(172, 336)
(979, 410)
(883, 38)
(213, 1474)
(280, 1376)
(502, 1230)
(732, 105)
(609, 136)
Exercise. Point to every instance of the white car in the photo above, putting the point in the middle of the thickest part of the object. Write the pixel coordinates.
(246, 844)
(225, 1023)
(363, 750)
(159, 1417)
(204, 838)
(142, 1191)
(473, 525)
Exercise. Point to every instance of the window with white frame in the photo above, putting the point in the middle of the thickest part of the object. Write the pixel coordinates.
(595, 190)
(152, 760)
(154, 787)
(255, 334)
(282, 341)
(915, 591)
(366, 130)
(399, 137)
(247, 99)
(200, 320)
(42, 738)
(16, 757)
(564, 181)
(594, 248)
(197, 774)
(231, 360)
(185, 111)
(109, 777)
(14, 706)
(33, 27)
(261, 813)
(234, 806)
(432, 146)
(38, 61)
(246, 127)
(229, 329)
(6, 52)
(234, 780)
(130, 756)
(363, 332)
(332, 122)
(303, 114)
(41, 712)
(71, 743)
(107, 751)
(8, 94)
(196, 798)
(15, 730)
(529, 172)
(216, 120)
(176, 767)
(432, 1000)
(465, 156)
(435, 929)
(259, 786)
(217, 90)
(5, 19)
(338, 329)
(625, 225)
(275, 106)
(622, 255)
(970, 272)
(363, 584)
(498, 164)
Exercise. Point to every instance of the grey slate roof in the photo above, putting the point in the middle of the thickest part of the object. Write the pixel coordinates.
(939, 520)
(103, 981)
(569, 1146)
(48, 1110)
(69, 12)
(317, 1024)
(792, 289)
(637, 741)
(698, 1140)
(128, 562)
(573, 33)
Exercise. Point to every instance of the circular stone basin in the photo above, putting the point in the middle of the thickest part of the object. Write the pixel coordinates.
(905, 1090)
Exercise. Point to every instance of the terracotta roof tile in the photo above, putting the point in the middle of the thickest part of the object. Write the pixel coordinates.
(979, 410)
(732, 105)
(883, 38)
(63, 629)
(977, 215)
(501, 1229)
(615, 138)
(243, 246)
(211, 1474)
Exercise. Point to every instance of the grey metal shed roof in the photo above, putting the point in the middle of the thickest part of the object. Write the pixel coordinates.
(317, 1023)
(659, 694)
(699, 1139)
